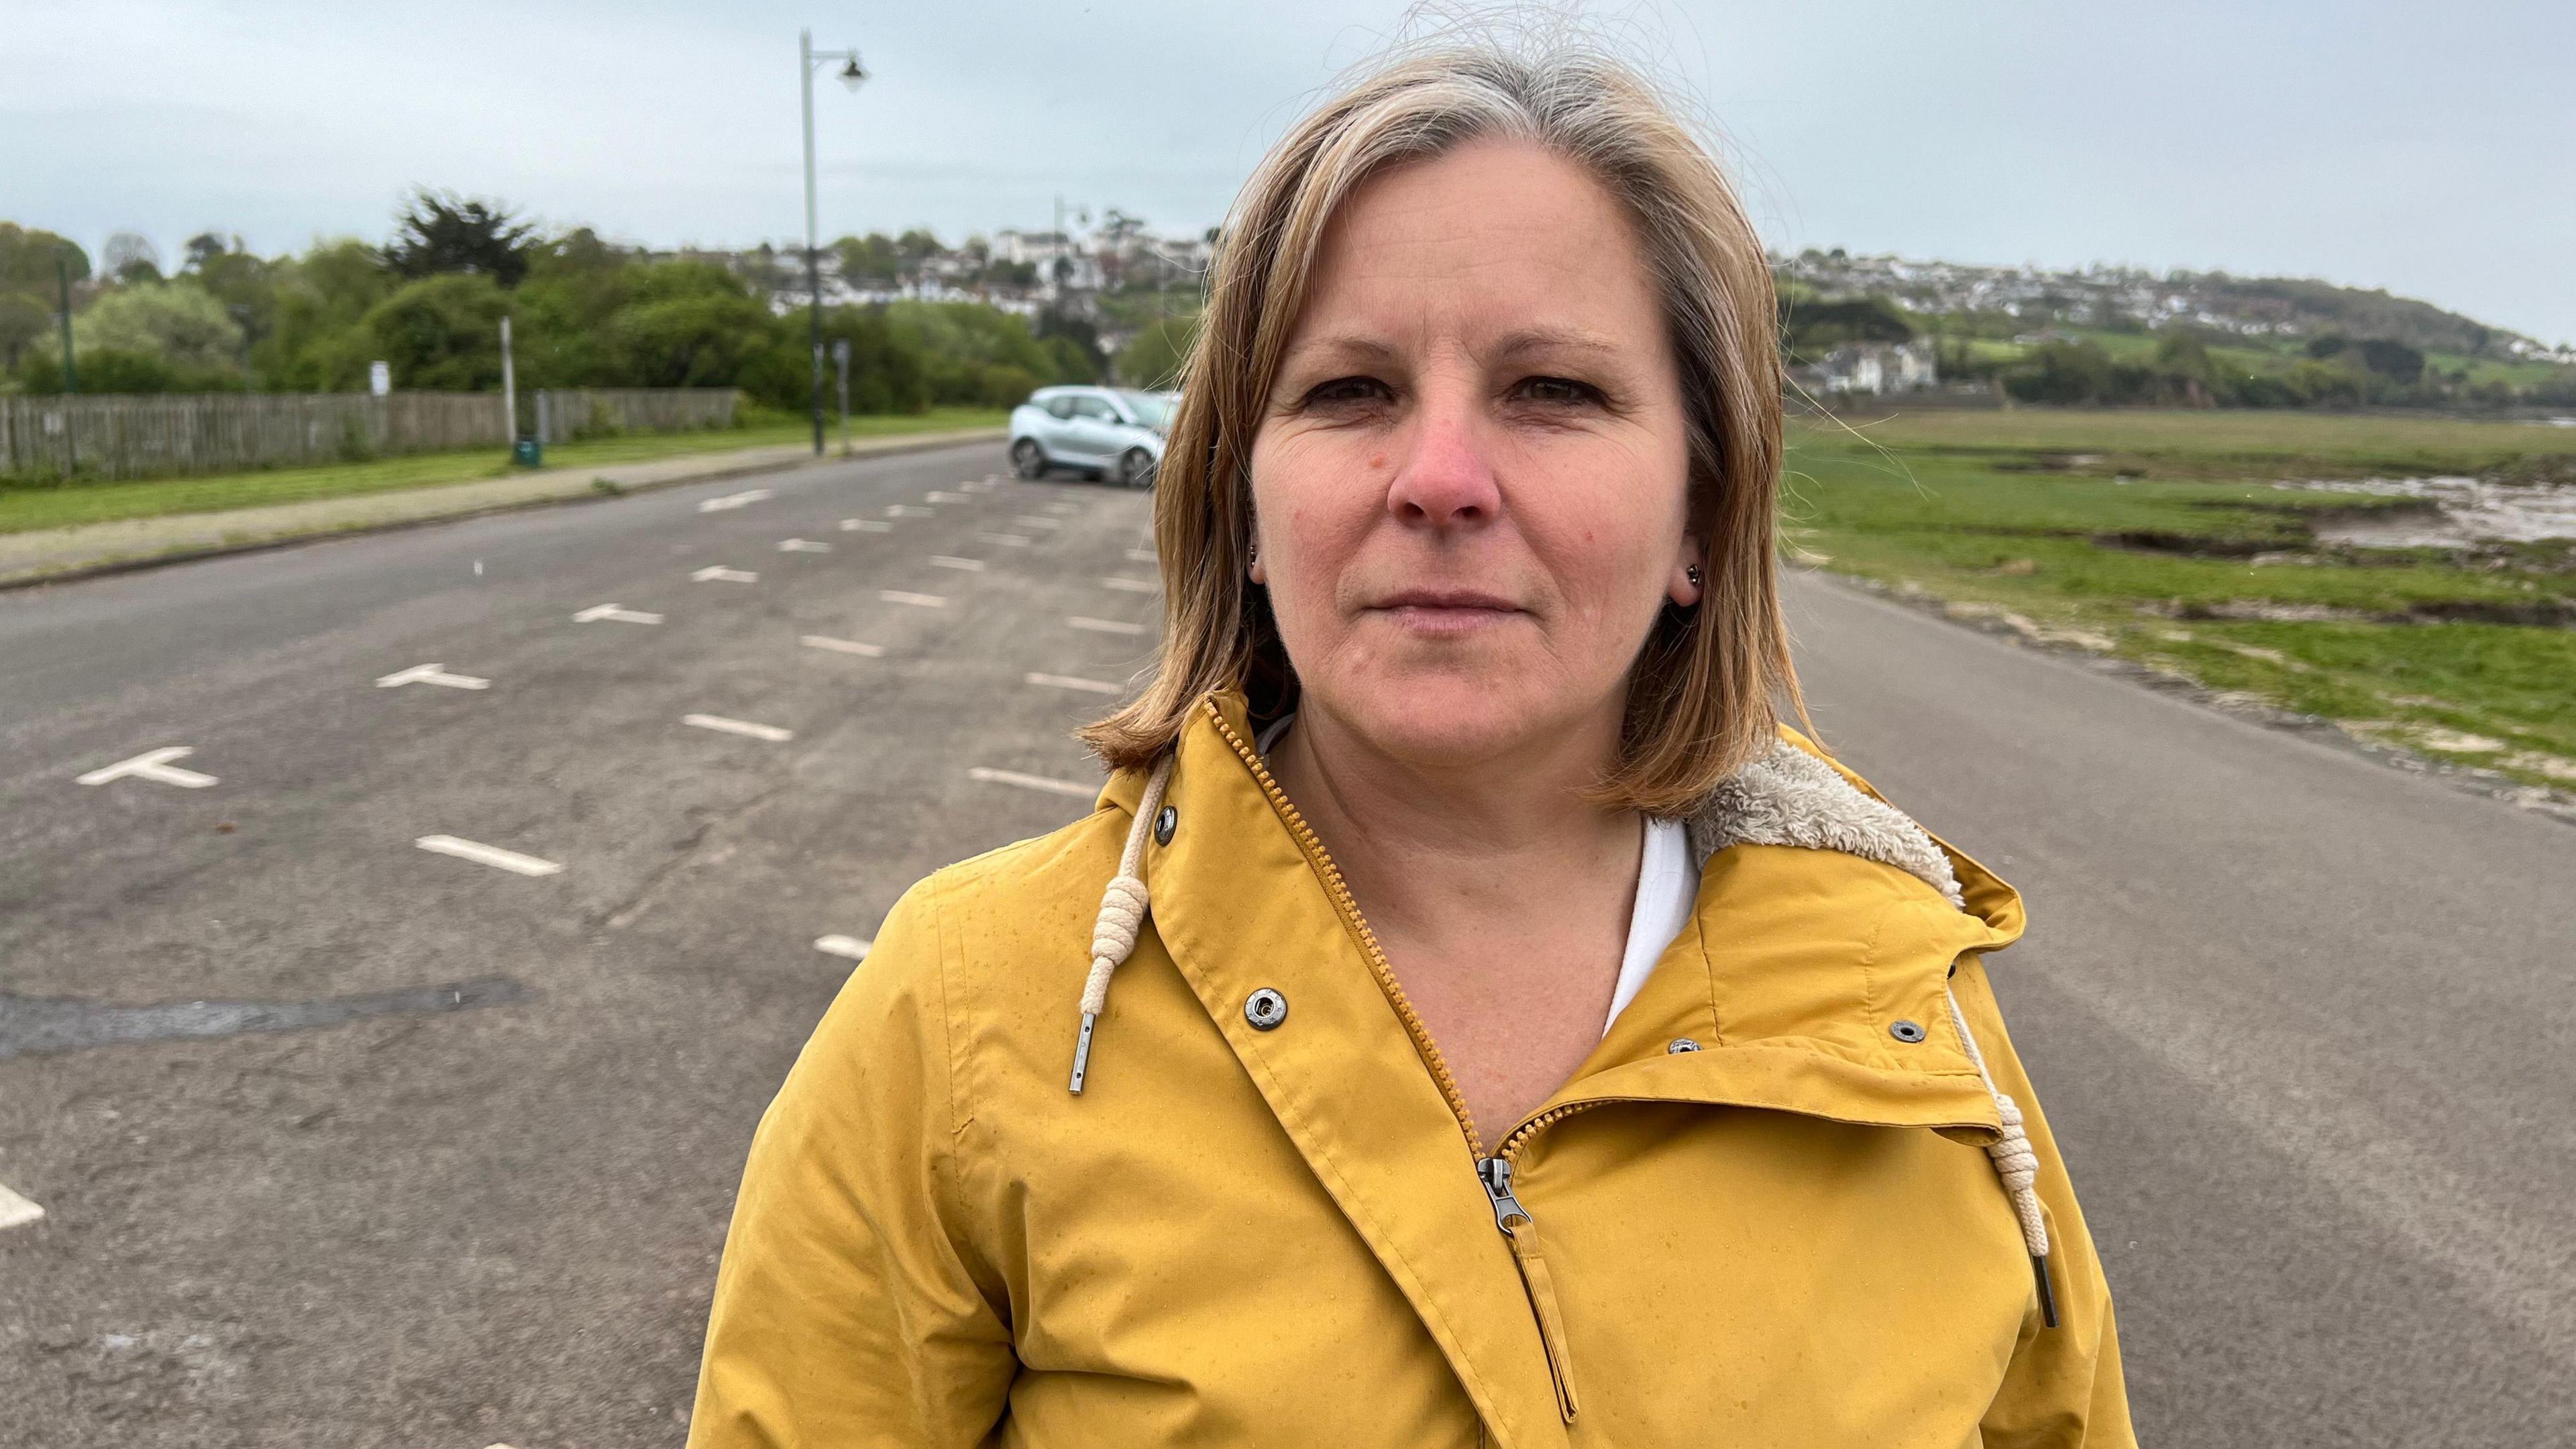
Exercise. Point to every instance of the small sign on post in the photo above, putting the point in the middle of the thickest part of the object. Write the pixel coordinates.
(380, 378)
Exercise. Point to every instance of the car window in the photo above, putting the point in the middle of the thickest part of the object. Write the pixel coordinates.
(1095, 407)
(1061, 406)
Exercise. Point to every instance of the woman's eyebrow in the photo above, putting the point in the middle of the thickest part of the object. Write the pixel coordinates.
(1559, 340)
(1339, 348)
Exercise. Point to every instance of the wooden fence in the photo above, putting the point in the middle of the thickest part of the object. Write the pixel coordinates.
(121, 436)
(566, 414)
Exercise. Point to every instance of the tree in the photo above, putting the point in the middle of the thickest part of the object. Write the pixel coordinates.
(440, 232)
(205, 246)
(23, 320)
(28, 255)
(178, 324)
(441, 332)
(1153, 357)
(130, 257)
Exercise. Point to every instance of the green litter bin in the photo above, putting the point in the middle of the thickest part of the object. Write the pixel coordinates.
(528, 453)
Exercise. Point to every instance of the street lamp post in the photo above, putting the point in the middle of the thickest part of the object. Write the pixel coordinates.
(851, 75)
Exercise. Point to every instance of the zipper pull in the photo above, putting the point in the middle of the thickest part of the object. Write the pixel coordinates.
(1496, 1174)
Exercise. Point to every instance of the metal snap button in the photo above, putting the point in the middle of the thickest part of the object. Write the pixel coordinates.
(1164, 820)
(1265, 1009)
(1906, 1031)
(1681, 1044)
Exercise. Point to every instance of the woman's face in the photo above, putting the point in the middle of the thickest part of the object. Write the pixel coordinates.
(1470, 478)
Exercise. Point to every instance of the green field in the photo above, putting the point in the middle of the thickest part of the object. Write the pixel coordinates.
(63, 505)
(2167, 539)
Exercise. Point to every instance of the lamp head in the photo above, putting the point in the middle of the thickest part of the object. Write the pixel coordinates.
(853, 74)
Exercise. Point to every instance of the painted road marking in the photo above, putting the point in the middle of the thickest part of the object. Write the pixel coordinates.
(802, 545)
(597, 612)
(1141, 555)
(950, 561)
(1132, 586)
(17, 1212)
(1007, 540)
(977, 485)
(718, 573)
(1031, 520)
(1067, 681)
(865, 525)
(152, 765)
(1033, 782)
(431, 674)
(906, 510)
(1104, 626)
(717, 722)
(938, 496)
(918, 601)
(850, 946)
(734, 500)
(491, 855)
(1067, 509)
(840, 646)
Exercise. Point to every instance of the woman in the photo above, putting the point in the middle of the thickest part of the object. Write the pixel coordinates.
(1517, 1037)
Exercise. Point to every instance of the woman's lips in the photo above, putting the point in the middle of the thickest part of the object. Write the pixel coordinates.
(1444, 611)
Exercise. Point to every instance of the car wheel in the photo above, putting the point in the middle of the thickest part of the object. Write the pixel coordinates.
(1136, 469)
(1028, 460)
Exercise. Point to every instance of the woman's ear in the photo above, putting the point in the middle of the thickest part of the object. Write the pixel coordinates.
(1689, 582)
(1252, 560)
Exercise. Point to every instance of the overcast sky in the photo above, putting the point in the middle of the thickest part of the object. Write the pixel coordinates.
(2429, 149)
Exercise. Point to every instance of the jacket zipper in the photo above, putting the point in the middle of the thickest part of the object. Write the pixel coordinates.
(1494, 1173)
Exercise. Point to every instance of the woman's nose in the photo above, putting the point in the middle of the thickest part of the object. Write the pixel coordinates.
(1444, 476)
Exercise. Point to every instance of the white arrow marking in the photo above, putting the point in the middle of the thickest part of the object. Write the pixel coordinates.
(1104, 626)
(850, 946)
(906, 510)
(1067, 681)
(1013, 540)
(936, 496)
(1032, 782)
(802, 545)
(431, 674)
(152, 765)
(771, 733)
(491, 855)
(17, 1212)
(734, 500)
(840, 646)
(865, 525)
(718, 573)
(919, 601)
(964, 565)
(597, 612)
(1132, 586)
(1031, 520)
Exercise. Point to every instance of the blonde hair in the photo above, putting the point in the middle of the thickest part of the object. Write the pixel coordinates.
(1701, 691)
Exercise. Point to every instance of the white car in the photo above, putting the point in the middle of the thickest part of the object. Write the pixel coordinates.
(1107, 432)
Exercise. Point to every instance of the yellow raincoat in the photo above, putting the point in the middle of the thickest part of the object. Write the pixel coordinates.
(1273, 1222)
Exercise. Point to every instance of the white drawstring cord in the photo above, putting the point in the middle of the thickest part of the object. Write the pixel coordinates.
(1122, 910)
(2015, 1162)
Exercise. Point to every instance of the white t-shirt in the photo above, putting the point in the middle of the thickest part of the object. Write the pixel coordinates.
(1667, 893)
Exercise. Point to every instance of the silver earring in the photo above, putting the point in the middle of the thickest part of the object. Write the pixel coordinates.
(1691, 572)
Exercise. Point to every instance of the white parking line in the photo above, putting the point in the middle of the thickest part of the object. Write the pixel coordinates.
(950, 561)
(840, 646)
(1007, 540)
(16, 1211)
(1031, 520)
(152, 765)
(1103, 626)
(939, 496)
(918, 601)
(491, 855)
(865, 525)
(906, 510)
(1132, 586)
(850, 946)
(597, 612)
(430, 674)
(802, 545)
(1067, 681)
(719, 723)
(1033, 782)
(734, 500)
(719, 574)
(1141, 555)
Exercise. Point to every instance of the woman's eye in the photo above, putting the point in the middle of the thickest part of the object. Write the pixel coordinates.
(1343, 391)
(1557, 390)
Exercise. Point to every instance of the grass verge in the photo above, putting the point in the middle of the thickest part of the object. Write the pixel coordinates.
(2171, 540)
(65, 505)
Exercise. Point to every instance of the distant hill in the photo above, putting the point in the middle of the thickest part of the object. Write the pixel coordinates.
(2011, 301)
